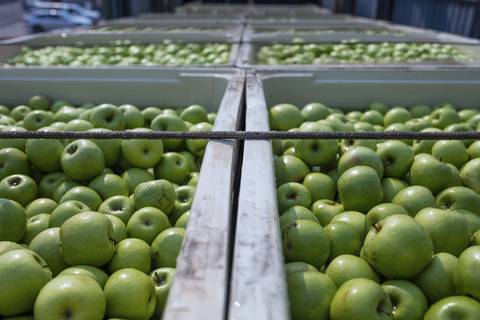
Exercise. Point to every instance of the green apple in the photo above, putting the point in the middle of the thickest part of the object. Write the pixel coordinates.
(473, 220)
(82, 160)
(413, 199)
(363, 126)
(45, 155)
(396, 115)
(449, 230)
(166, 247)
(459, 198)
(133, 116)
(86, 238)
(119, 206)
(13, 221)
(109, 185)
(183, 202)
(147, 223)
(292, 267)
(37, 119)
(194, 163)
(325, 210)
(39, 102)
(107, 116)
(50, 182)
(344, 239)
(13, 161)
(355, 219)
(314, 112)
(436, 280)
(391, 187)
(111, 148)
(373, 117)
(454, 307)
(83, 194)
(347, 267)
(361, 156)
(149, 114)
(296, 213)
(67, 114)
(70, 296)
(47, 245)
(398, 247)
(408, 301)
(35, 225)
(19, 188)
(24, 273)
(163, 279)
(134, 176)
(65, 211)
(450, 151)
(360, 299)
(194, 114)
(130, 294)
(417, 124)
(306, 241)
(474, 150)
(347, 144)
(169, 122)
(310, 294)
(380, 212)
(78, 125)
(444, 117)
(40, 205)
(470, 174)
(397, 157)
(95, 273)
(63, 188)
(131, 253)
(6, 246)
(159, 194)
(283, 117)
(360, 189)
(292, 194)
(183, 220)
(465, 276)
(198, 146)
(57, 105)
(380, 107)
(289, 169)
(120, 231)
(316, 152)
(143, 153)
(172, 167)
(420, 110)
(400, 127)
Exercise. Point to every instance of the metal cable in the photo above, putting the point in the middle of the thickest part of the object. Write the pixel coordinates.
(239, 135)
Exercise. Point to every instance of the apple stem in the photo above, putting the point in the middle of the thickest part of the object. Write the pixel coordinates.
(46, 266)
(473, 238)
(116, 241)
(375, 226)
(388, 314)
(156, 275)
(156, 253)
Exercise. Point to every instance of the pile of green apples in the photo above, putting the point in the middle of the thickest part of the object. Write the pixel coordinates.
(148, 55)
(150, 28)
(367, 32)
(91, 229)
(379, 229)
(354, 52)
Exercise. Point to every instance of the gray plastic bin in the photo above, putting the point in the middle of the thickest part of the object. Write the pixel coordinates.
(200, 287)
(258, 289)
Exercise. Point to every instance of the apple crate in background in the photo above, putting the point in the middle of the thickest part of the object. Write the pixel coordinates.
(217, 18)
(289, 10)
(11, 47)
(231, 30)
(230, 8)
(258, 287)
(352, 30)
(313, 20)
(200, 287)
(247, 57)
